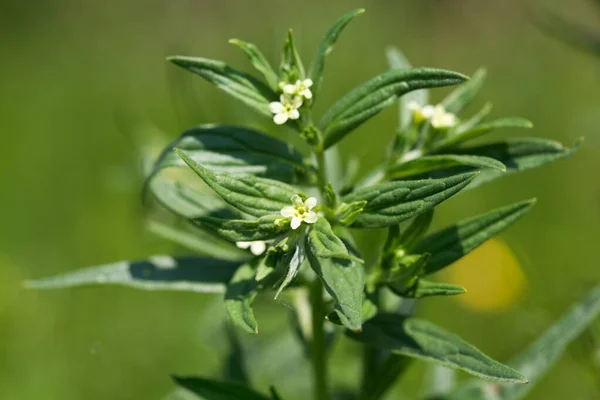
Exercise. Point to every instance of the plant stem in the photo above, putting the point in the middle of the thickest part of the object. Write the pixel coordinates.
(318, 350)
(321, 170)
(387, 374)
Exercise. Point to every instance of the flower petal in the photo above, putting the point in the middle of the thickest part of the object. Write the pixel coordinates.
(307, 94)
(243, 245)
(311, 217)
(258, 247)
(297, 200)
(296, 221)
(307, 82)
(275, 107)
(310, 203)
(280, 119)
(294, 114)
(288, 212)
(289, 89)
(297, 101)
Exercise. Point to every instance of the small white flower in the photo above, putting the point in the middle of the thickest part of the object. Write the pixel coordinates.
(286, 108)
(300, 88)
(421, 113)
(443, 119)
(257, 247)
(300, 211)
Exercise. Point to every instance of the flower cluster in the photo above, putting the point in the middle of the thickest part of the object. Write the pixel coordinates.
(436, 115)
(291, 100)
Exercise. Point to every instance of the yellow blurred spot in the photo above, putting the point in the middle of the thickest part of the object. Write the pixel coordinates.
(492, 276)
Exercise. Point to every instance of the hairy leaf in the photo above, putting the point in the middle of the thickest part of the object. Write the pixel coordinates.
(240, 294)
(518, 154)
(264, 228)
(342, 277)
(317, 65)
(460, 97)
(347, 213)
(427, 164)
(453, 242)
(421, 339)
(209, 389)
(425, 288)
(250, 194)
(416, 230)
(367, 311)
(188, 274)
(371, 97)
(238, 84)
(391, 203)
(458, 137)
(259, 61)
(237, 151)
(397, 60)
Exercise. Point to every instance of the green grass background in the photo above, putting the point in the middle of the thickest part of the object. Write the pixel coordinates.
(78, 77)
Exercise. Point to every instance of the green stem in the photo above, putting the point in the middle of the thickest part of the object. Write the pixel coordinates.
(318, 350)
(321, 170)
(387, 374)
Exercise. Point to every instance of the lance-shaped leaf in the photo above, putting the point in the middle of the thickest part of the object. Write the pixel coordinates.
(397, 60)
(291, 68)
(342, 276)
(415, 231)
(217, 390)
(518, 154)
(391, 203)
(237, 151)
(428, 164)
(475, 120)
(238, 84)
(346, 214)
(317, 65)
(421, 339)
(371, 97)
(458, 137)
(259, 61)
(453, 242)
(541, 355)
(368, 311)
(240, 294)
(188, 274)
(250, 194)
(425, 288)
(238, 230)
(460, 97)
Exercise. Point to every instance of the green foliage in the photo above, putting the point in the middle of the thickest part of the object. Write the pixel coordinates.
(420, 339)
(259, 193)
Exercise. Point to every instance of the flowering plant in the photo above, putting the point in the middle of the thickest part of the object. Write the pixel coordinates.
(269, 218)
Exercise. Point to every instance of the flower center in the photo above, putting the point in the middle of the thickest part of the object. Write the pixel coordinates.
(301, 211)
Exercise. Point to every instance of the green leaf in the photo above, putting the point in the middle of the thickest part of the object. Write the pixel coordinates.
(264, 228)
(240, 294)
(235, 368)
(342, 277)
(371, 97)
(541, 355)
(453, 242)
(290, 262)
(201, 242)
(427, 164)
(404, 272)
(416, 230)
(421, 339)
(391, 203)
(397, 60)
(475, 120)
(292, 68)
(209, 389)
(259, 61)
(518, 154)
(187, 274)
(317, 66)
(455, 138)
(425, 288)
(238, 84)
(367, 311)
(458, 99)
(346, 214)
(237, 151)
(250, 194)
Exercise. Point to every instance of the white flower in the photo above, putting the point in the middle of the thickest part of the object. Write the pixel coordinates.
(286, 108)
(443, 119)
(421, 113)
(257, 247)
(300, 211)
(300, 88)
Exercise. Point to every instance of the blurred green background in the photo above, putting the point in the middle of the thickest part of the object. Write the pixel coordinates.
(78, 78)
